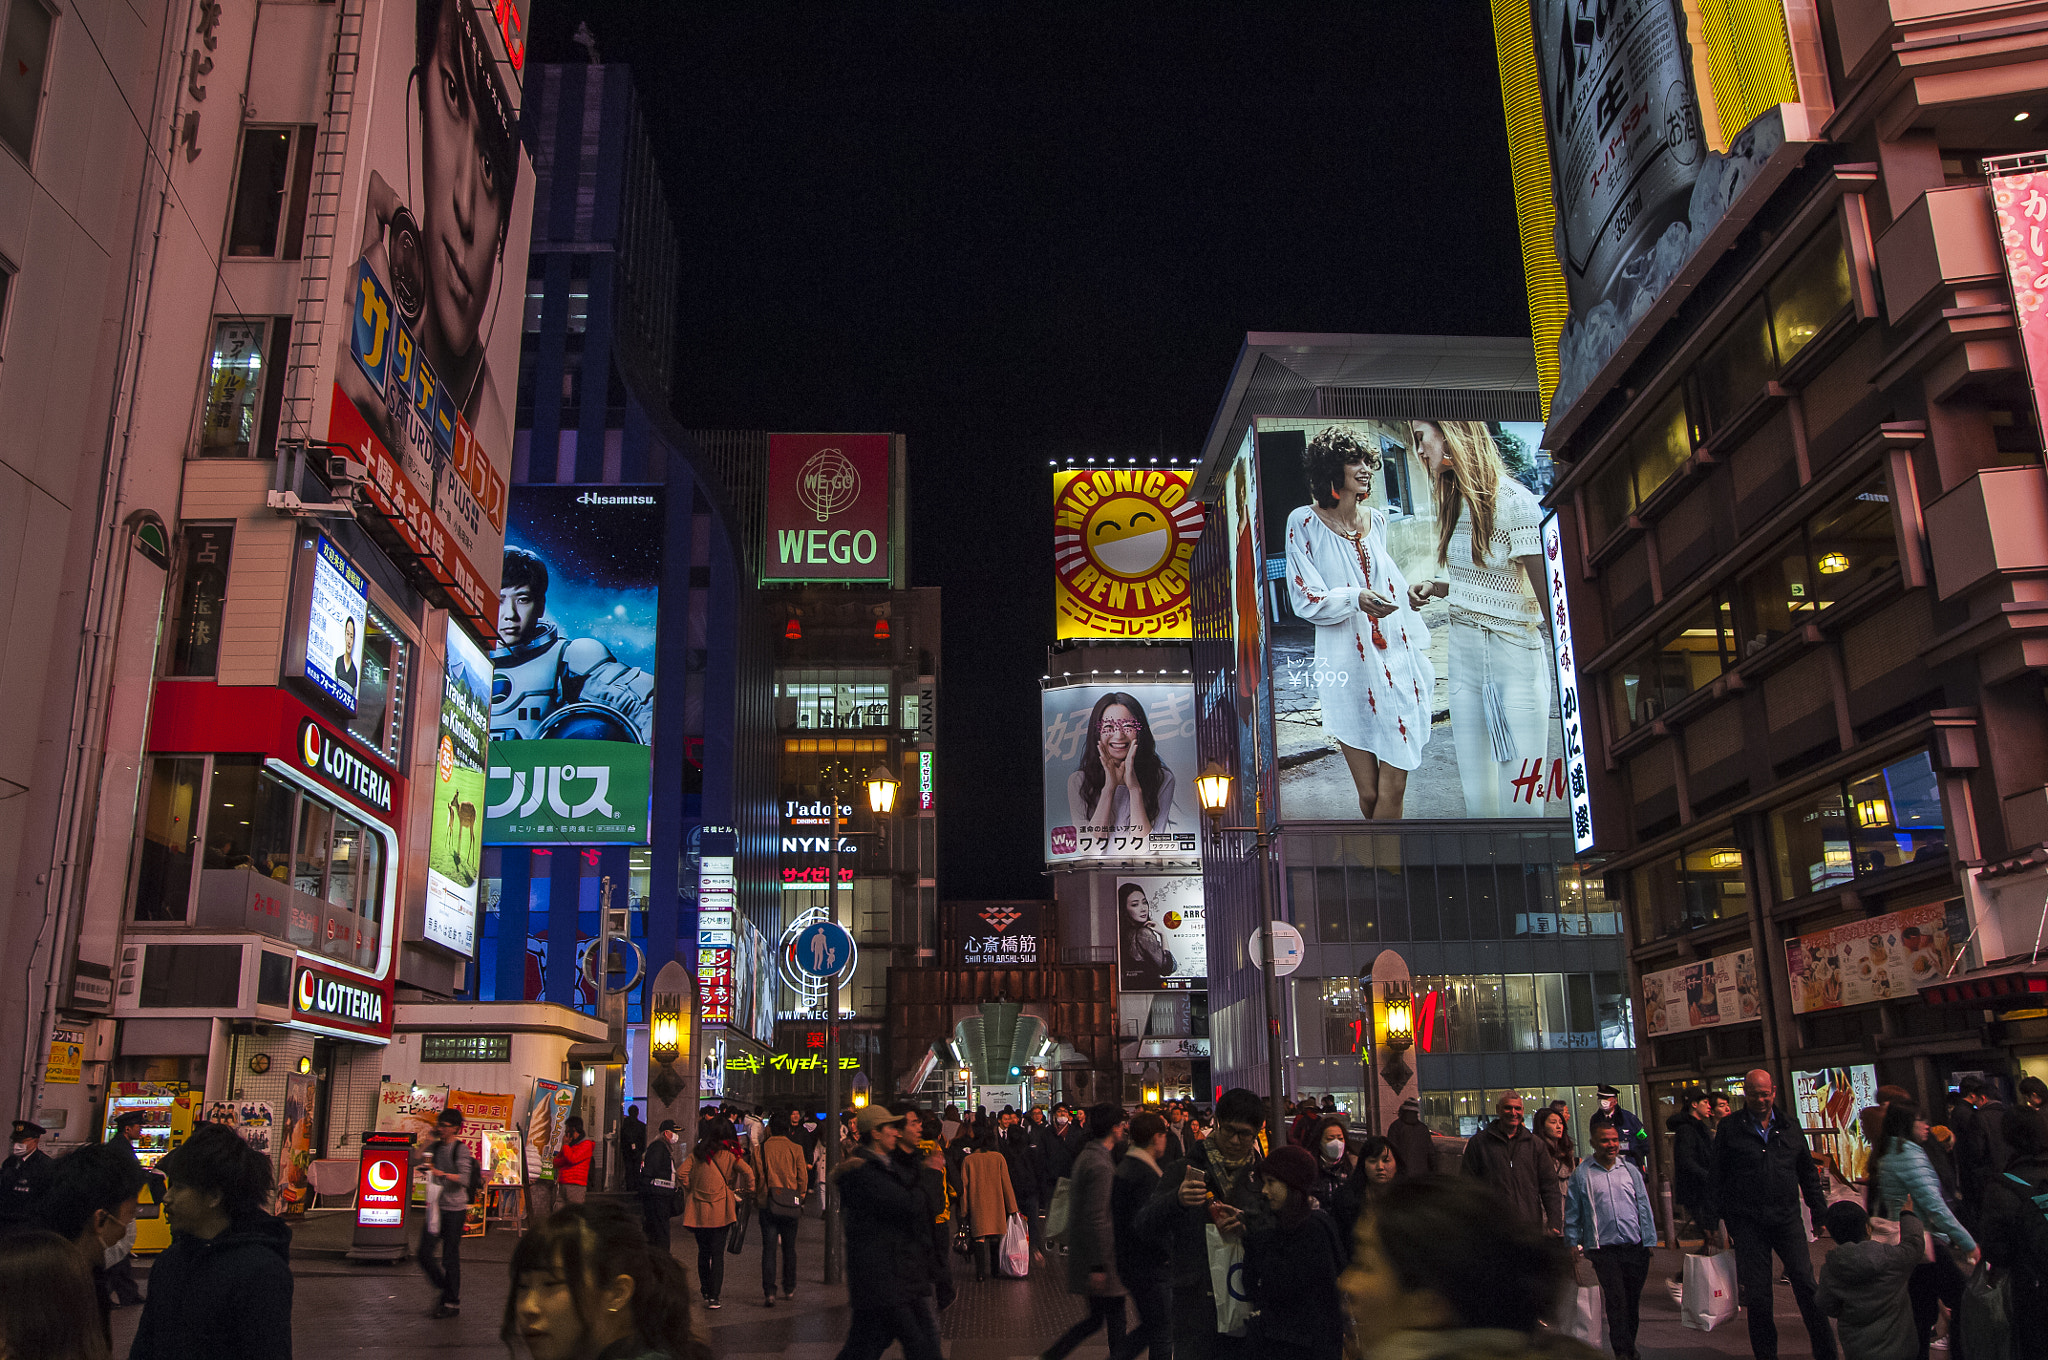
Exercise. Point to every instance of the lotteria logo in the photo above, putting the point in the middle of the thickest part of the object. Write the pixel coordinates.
(334, 998)
(330, 757)
(382, 1175)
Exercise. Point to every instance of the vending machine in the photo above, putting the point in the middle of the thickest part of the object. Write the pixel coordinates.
(169, 1107)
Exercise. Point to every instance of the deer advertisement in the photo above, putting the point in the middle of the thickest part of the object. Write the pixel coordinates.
(456, 850)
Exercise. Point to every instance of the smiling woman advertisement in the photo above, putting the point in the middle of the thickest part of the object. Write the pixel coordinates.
(1119, 770)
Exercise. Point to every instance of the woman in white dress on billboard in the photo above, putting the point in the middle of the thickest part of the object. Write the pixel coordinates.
(1372, 672)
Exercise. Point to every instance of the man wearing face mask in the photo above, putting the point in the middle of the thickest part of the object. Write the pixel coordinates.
(1635, 1139)
(657, 1185)
(24, 1174)
(1063, 1146)
(90, 1201)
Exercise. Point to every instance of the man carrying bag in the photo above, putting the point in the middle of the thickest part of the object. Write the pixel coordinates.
(657, 1185)
(1217, 1168)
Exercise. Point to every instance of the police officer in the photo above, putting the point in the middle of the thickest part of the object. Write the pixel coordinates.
(24, 1174)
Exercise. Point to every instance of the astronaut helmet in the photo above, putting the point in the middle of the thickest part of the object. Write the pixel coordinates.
(587, 722)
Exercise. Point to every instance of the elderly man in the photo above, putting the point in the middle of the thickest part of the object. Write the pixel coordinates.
(1506, 1156)
(1760, 1170)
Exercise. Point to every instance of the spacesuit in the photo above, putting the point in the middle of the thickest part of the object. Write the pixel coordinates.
(549, 686)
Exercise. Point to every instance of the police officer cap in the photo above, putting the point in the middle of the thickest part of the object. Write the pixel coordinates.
(25, 1129)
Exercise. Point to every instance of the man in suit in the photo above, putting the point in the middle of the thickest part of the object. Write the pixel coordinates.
(345, 665)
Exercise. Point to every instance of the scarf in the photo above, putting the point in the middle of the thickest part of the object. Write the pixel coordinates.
(1228, 1172)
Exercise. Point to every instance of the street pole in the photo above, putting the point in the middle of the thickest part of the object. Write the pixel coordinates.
(831, 1129)
(1278, 1114)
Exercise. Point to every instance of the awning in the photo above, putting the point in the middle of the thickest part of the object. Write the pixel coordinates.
(1991, 987)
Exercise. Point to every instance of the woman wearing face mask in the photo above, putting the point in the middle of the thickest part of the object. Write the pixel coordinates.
(586, 1286)
(1373, 1168)
(1330, 1142)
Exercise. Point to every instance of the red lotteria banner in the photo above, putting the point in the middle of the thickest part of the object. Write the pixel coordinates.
(328, 999)
(381, 1187)
(2021, 202)
(830, 508)
(201, 717)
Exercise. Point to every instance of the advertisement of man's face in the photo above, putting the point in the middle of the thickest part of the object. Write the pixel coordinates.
(466, 185)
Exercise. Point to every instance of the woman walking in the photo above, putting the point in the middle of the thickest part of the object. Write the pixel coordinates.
(785, 1181)
(1901, 1179)
(715, 1178)
(991, 1199)
(586, 1283)
(1557, 1141)
(1291, 1264)
(1330, 1142)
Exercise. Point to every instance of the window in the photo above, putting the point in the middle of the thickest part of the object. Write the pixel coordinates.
(240, 415)
(201, 597)
(1656, 451)
(1844, 547)
(1809, 293)
(1689, 657)
(24, 63)
(1700, 885)
(272, 184)
(832, 700)
(170, 834)
(1876, 821)
(1521, 1013)
(1734, 371)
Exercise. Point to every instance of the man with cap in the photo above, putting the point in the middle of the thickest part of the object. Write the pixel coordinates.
(449, 1165)
(657, 1184)
(128, 1127)
(1635, 1139)
(1414, 1150)
(888, 1213)
(24, 1174)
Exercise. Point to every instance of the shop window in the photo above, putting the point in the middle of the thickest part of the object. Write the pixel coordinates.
(24, 62)
(808, 700)
(1521, 1013)
(379, 722)
(316, 836)
(170, 837)
(1688, 657)
(1809, 293)
(1878, 820)
(248, 818)
(1711, 883)
(1612, 495)
(205, 551)
(1734, 371)
(1343, 1023)
(1661, 446)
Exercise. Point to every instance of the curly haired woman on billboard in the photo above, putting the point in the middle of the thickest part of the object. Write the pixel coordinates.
(1121, 783)
(1372, 675)
(1489, 551)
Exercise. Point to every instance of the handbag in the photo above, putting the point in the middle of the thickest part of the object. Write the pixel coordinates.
(1226, 1281)
(1060, 1215)
(1986, 1315)
(784, 1202)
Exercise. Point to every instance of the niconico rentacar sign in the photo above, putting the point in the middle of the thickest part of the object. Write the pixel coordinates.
(1121, 542)
(323, 998)
(334, 762)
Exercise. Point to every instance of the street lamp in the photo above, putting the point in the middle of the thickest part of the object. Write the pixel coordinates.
(1213, 788)
(860, 1091)
(1400, 1017)
(882, 787)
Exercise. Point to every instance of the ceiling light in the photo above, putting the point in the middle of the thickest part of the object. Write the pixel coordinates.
(2021, 116)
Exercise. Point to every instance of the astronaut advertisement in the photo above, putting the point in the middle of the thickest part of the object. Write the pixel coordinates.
(434, 268)
(572, 686)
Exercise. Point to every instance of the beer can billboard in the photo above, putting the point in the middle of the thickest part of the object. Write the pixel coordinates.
(1122, 542)
(831, 508)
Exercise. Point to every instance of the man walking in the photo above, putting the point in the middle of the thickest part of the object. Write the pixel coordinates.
(1506, 1156)
(449, 1166)
(656, 1185)
(1414, 1149)
(1142, 1265)
(632, 1146)
(1761, 1169)
(1219, 1168)
(888, 1217)
(1607, 1216)
(1091, 1237)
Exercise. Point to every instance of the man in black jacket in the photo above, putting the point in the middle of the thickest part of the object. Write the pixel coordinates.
(888, 1216)
(24, 1173)
(656, 1184)
(224, 1285)
(1144, 1266)
(1692, 1156)
(1414, 1148)
(1506, 1156)
(632, 1146)
(1027, 1169)
(1218, 1167)
(1761, 1168)
(1978, 1119)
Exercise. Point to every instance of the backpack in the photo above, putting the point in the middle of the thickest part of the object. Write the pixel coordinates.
(476, 1178)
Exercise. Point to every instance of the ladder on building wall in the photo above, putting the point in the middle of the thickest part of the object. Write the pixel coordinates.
(307, 363)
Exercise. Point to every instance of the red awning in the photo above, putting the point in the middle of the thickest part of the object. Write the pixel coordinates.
(1991, 987)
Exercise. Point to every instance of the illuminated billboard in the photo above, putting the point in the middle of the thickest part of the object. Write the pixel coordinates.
(428, 365)
(1162, 943)
(572, 697)
(453, 855)
(1122, 540)
(831, 508)
(1120, 774)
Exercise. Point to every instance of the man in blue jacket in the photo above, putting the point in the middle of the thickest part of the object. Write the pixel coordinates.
(1607, 1216)
(1761, 1169)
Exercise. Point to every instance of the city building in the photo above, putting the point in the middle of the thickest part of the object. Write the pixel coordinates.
(1803, 536)
(1451, 942)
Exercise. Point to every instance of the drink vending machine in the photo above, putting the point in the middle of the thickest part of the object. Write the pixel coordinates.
(169, 1107)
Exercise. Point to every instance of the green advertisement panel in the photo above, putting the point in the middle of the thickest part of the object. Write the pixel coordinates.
(584, 791)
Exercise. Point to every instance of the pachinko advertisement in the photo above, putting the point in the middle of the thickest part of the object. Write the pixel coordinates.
(1885, 957)
(1120, 773)
(1703, 995)
(1122, 541)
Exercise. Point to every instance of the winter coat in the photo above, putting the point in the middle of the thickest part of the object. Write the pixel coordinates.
(1981, 1152)
(1027, 1170)
(1290, 1272)
(715, 1189)
(21, 1181)
(888, 1212)
(1164, 1219)
(658, 1174)
(1864, 1285)
(1414, 1149)
(1755, 1180)
(230, 1296)
(1692, 1151)
(2004, 1223)
(782, 1166)
(1906, 1179)
(1519, 1167)
(1139, 1259)
(1060, 1148)
(572, 1162)
(1091, 1232)
(991, 1198)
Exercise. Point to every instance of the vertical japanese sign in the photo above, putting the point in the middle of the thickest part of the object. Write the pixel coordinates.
(1573, 717)
(2019, 194)
(716, 940)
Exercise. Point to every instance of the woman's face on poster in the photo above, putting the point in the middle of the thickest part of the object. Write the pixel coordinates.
(465, 204)
(1138, 909)
(1356, 480)
(1428, 441)
(1118, 731)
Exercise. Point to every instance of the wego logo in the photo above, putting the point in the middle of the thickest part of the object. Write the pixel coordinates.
(1122, 541)
(333, 998)
(828, 484)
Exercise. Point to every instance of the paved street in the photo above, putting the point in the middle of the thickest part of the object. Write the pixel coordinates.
(344, 1308)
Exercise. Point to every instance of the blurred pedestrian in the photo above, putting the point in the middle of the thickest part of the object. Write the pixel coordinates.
(586, 1282)
(935, 1181)
(1444, 1270)
(1027, 1170)
(1692, 1156)
(785, 1184)
(1902, 1177)
(46, 1300)
(450, 1169)
(1977, 1116)
(1291, 1263)
(223, 1288)
(120, 1276)
(90, 1202)
(714, 1179)
(1760, 1170)
(1374, 1168)
(888, 1214)
(1067, 1137)
(1607, 1216)
(656, 1185)
(632, 1146)
(1091, 1237)
(1509, 1158)
(1142, 1264)
(2015, 1232)
(1414, 1149)
(1179, 1137)
(1218, 1169)
(1863, 1284)
(991, 1199)
(1330, 1143)
(24, 1173)
(572, 1162)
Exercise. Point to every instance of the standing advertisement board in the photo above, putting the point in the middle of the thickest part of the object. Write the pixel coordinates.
(547, 1123)
(831, 508)
(572, 699)
(1120, 773)
(1122, 542)
(454, 849)
(295, 1145)
(427, 369)
(1829, 1101)
(1162, 944)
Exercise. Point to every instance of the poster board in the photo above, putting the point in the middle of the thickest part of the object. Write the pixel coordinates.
(295, 1145)
(547, 1118)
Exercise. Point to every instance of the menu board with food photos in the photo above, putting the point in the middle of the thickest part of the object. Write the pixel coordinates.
(1881, 959)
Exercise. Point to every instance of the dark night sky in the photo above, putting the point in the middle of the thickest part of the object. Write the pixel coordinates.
(1019, 232)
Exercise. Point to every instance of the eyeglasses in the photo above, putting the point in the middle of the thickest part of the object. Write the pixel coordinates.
(1123, 725)
(1241, 1132)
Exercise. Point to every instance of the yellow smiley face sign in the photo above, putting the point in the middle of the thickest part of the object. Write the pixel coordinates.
(1122, 539)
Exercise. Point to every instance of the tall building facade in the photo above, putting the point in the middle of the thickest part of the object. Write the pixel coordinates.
(1802, 512)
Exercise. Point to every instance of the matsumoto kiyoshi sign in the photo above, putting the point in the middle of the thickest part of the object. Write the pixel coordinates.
(328, 997)
(330, 758)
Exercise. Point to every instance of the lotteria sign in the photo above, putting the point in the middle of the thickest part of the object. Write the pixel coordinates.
(381, 1188)
(335, 763)
(331, 999)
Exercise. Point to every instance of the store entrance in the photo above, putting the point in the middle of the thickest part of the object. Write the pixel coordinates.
(323, 1087)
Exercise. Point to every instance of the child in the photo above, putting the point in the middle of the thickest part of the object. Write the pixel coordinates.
(1863, 1283)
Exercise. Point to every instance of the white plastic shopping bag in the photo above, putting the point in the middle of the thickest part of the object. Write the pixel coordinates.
(1708, 1297)
(1226, 1278)
(1014, 1260)
(1584, 1315)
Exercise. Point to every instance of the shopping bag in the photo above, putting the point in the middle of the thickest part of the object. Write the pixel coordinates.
(1987, 1316)
(1708, 1297)
(1014, 1260)
(1226, 1280)
(1061, 1213)
(1583, 1315)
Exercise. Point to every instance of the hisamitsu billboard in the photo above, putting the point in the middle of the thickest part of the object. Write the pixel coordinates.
(830, 508)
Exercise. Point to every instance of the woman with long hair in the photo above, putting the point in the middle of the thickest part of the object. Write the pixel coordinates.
(1556, 1139)
(717, 1179)
(1901, 1179)
(1489, 553)
(49, 1308)
(990, 1198)
(1143, 956)
(1120, 785)
(785, 1182)
(1372, 675)
(1373, 1168)
(586, 1284)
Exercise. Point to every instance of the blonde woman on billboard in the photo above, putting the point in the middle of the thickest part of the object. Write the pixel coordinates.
(1372, 676)
(1489, 552)
(1121, 784)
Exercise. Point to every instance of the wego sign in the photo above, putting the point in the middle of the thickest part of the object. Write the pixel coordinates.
(1122, 540)
(830, 508)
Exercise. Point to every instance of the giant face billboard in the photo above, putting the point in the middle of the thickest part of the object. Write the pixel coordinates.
(1122, 540)
(425, 377)
(572, 688)
(1405, 604)
(831, 508)
(1120, 774)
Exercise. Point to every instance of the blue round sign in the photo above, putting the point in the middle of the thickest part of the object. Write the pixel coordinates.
(822, 949)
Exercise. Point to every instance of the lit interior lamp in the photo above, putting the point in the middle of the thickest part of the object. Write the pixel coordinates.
(1725, 859)
(1212, 788)
(1400, 1017)
(1151, 1094)
(860, 1092)
(1835, 856)
(1833, 564)
(664, 1040)
(966, 1075)
(882, 787)
(1873, 812)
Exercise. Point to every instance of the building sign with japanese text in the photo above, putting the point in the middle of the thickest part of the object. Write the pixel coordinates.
(1121, 542)
(2019, 195)
(1571, 714)
(1000, 934)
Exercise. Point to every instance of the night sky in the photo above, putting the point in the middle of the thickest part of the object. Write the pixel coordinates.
(1023, 232)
